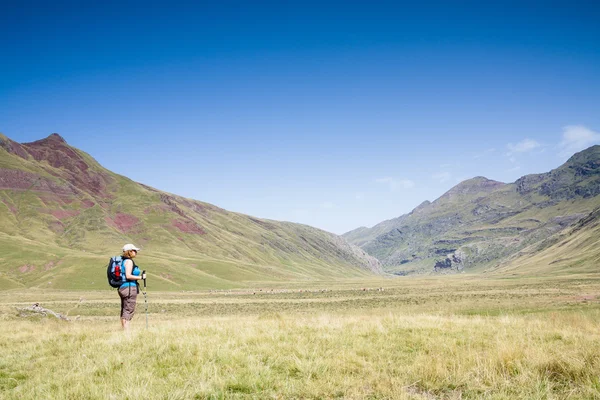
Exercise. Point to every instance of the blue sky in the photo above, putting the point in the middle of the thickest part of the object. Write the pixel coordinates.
(332, 114)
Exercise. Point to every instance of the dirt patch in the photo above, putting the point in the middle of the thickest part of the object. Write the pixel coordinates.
(172, 203)
(26, 268)
(196, 207)
(188, 227)
(87, 204)
(123, 222)
(51, 264)
(64, 214)
(166, 276)
(585, 297)
(21, 180)
(51, 199)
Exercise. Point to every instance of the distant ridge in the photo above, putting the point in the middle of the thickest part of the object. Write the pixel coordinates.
(480, 223)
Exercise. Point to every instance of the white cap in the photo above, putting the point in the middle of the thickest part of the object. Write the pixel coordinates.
(129, 247)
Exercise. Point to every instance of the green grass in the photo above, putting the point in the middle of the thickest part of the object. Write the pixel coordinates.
(447, 338)
(31, 263)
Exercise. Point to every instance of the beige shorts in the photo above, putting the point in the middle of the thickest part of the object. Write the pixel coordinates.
(128, 299)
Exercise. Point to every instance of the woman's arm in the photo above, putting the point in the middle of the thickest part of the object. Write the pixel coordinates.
(129, 271)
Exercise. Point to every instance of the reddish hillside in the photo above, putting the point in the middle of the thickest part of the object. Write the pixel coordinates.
(56, 195)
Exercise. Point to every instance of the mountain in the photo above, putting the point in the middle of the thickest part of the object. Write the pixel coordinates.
(62, 215)
(570, 251)
(480, 222)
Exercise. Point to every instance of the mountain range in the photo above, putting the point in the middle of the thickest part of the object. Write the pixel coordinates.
(62, 216)
(485, 225)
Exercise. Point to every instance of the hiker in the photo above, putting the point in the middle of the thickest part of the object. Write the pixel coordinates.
(129, 290)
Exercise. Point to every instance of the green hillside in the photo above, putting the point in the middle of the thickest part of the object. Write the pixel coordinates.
(575, 250)
(62, 215)
(480, 222)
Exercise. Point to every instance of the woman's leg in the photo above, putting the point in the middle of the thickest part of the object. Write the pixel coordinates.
(128, 300)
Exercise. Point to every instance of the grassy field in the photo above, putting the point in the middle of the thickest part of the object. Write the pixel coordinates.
(455, 337)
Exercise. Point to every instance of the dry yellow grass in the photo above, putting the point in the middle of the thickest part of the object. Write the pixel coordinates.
(375, 350)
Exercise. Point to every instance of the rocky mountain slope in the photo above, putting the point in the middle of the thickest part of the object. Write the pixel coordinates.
(574, 250)
(480, 222)
(62, 214)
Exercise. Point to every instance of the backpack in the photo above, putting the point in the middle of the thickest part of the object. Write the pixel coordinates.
(116, 272)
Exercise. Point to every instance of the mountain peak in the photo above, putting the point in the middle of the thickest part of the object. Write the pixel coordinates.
(52, 140)
(56, 138)
(63, 160)
(474, 185)
(590, 154)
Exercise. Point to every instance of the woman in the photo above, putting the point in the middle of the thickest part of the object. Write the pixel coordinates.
(128, 291)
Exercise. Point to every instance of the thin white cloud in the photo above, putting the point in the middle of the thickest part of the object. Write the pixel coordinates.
(523, 146)
(576, 138)
(395, 184)
(443, 176)
(359, 196)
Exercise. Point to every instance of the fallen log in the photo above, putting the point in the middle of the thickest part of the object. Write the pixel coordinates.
(37, 309)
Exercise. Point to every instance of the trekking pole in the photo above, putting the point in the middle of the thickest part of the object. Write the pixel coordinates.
(145, 297)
